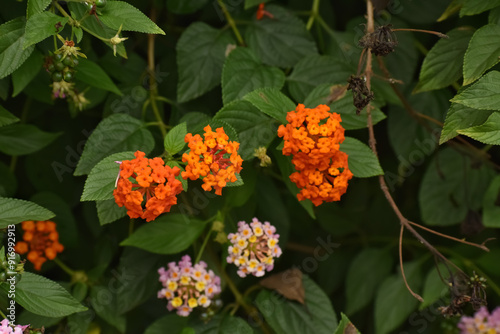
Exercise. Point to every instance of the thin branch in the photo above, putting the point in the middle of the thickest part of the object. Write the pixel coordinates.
(417, 296)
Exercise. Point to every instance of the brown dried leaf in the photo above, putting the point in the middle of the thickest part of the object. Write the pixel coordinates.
(287, 283)
(336, 93)
(350, 329)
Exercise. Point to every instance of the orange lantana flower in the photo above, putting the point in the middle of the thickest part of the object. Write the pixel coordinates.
(214, 158)
(261, 12)
(41, 242)
(313, 136)
(148, 181)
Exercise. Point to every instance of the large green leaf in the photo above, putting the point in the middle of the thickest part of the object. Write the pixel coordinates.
(42, 25)
(443, 64)
(14, 211)
(27, 72)
(473, 7)
(118, 14)
(36, 6)
(101, 181)
(281, 41)
(483, 52)
(362, 161)
(116, 133)
(452, 185)
(6, 118)
(168, 234)
(486, 133)
(42, 296)
(219, 324)
(271, 102)
(253, 127)
(22, 139)
(174, 140)
(200, 56)
(483, 94)
(108, 211)
(491, 204)
(286, 317)
(93, 75)
(243, 72)
(185, 6)
(314, 70)
(173, 322)
(12, 53)
(461, 117)
(370, 262)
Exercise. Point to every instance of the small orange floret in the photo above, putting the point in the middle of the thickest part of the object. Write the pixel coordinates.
(313, 136)
(40, 241)
(214, 158)
(147, 183)
(261, 12)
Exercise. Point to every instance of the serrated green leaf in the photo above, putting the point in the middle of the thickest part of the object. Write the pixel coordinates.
(42, 296)
(314, 70)
(173, 322)
(452, 185)
(200, 56)
(443, 64)
(93, 75)
(174, 140)
(370, 262)
(22, 139)
(486, 133)
(483, 94)
(281, 41)
(6, 118)
(12, 53)
(36, 6)
(116, 133)
(482, 53)
(473, 7)
(27, 72)
(108, 211)
(118, 14)
(243, 72)
(168, 234)
(394, 303)
(101, 181)
(14, 211)
(42, 25)
(271, 102)
(253, 127)
(461, 117)
(185, 6)
(362, 161)
(346, 326)
(344, 106)
(315, 317)
(434, 287)
(228, 129)
(491, 204)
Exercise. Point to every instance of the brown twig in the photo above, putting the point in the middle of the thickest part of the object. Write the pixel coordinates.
(437, 33)
(416, 295)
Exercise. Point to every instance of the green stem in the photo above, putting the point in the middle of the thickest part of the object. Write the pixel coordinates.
(3, 315)
(76, 23)
(164, 99)
(231, 22)
(64, 267)
(325, 26)
(203, 245)
(314, 14)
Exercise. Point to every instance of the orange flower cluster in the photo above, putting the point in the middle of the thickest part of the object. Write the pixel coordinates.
(150, 181)
(313, 137)
(215, 159)
(261, 12)
(41, 242)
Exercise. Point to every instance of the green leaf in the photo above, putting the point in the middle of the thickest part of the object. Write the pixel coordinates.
(271, 102)
(253, 3)
(452, 185)
(174, 140)
(486, 133)
(314, 70)
(483, 94)
(108, 211)
(370, 262)
(219, 324)
(281, 41)
(344, 106)
(173, 322)
(434, 287)
(362, 161)
(37, 321)
(107, 310)
(6, 118)
(393, 303)
(346, 326)
(253, 127)
(473, 7)
(14, 211)
(22, 139)
(482, 53)
(118, 14)
(443, 64)
(185, 6)
(12, 53)
(116, 133)
(200, 56)
(42, 296)
(27, 72)
(316, 316)
(101, 181)
(36, 6)
(243, 72)
(168, 234)
(460, 117)
(491, 204)
(93, 75)
(8, 181)
(42, 25)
